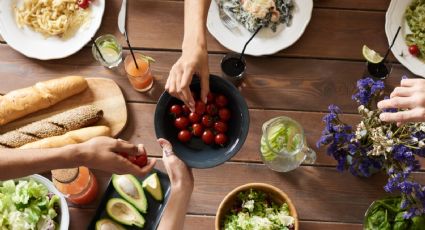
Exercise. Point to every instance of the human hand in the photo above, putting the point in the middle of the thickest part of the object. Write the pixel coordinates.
(194, 60)
(181, 176)
(409, 96)
(102, 153)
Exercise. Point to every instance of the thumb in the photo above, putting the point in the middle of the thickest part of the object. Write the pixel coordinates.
(205, 85)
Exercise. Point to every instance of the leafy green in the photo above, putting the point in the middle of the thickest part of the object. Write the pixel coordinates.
(386, 214)
(415, 17)
(25, 204)
(256, 211)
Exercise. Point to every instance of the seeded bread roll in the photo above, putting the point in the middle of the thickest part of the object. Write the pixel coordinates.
(71, 137)
(53, 126)
(21, 102)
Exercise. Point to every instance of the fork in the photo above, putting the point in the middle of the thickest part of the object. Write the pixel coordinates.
(225, 18)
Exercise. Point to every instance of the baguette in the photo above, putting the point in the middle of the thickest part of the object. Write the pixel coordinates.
(21, 102)
(72, 137)
(52, 126)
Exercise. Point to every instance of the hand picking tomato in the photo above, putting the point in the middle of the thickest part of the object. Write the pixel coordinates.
(207, 121)
(181, 123)
(186, 110)
(176, 110)
(221, 101)
(141, 160)
(194, 117)
(220, 127)
(212, 109)
(414, 50)
(184, 136)
(200, 107)
(197, 130)
(125, 155)
(208, 137)
(83, 3)
(224, 114)
(220, 139)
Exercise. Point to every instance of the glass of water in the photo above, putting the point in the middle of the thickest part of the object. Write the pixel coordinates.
(283, 145)
(109, 53)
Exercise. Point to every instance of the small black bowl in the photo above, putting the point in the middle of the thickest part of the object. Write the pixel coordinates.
(195, 153)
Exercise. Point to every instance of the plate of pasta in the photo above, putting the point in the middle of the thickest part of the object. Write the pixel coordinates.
(410, 15)
(283, 23)
(49, 29)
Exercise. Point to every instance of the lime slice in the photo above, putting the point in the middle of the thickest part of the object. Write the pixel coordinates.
(371, 56)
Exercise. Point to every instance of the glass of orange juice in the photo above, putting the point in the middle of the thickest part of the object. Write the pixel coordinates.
(140, 78)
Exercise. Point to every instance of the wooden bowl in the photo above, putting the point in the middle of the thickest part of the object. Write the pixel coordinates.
(274, 193)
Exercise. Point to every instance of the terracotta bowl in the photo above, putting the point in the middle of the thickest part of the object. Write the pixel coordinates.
(274, 193)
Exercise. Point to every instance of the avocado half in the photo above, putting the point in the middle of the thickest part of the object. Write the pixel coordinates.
(107, 224)
(131, 190)
(153, 186)
(124, 213)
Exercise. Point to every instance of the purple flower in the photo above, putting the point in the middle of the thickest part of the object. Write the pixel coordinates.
(367, 88)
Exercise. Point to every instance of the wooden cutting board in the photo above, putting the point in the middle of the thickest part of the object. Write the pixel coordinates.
(104, 93)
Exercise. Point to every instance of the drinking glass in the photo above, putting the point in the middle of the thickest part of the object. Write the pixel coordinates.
(140, 78)
(111, 51)
(283, 145)
(233, 67)
(380, 70)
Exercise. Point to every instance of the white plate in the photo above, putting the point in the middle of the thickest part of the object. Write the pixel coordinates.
(266, 41)
(34, 45)
(64, 221)
(394, 19)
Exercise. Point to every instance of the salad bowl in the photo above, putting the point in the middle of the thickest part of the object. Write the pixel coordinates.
(276, 195)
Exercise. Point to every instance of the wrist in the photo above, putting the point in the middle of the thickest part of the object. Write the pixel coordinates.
(182, 188)
(194, 42)
(78, 154)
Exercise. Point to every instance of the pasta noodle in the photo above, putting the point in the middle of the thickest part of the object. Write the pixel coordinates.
(51, 17)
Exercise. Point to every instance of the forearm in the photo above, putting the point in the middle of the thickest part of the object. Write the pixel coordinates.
(175, 211)
(15, 163)
(195, 19)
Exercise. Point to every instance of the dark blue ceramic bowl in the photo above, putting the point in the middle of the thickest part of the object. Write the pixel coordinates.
(195, 153)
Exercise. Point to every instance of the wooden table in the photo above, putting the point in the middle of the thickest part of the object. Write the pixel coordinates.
(300, 82)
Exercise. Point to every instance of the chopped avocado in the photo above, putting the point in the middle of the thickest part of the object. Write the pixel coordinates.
(131, 190)
(153, 186)
(107, 224)
(124, 213)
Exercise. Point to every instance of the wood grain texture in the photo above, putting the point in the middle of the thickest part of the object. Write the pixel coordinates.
(271, 82)
(318, 193)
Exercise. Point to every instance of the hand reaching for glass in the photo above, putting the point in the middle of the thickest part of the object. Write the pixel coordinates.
(409, 97)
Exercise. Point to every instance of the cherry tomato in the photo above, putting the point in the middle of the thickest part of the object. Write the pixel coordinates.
(83, 3)
(186, 110)
(210, 98)
(220, 139)
(414, 50)
(212, 109)
(197, 130)
(141, 160)
(194, 117)
(221, 101)
(132, 159)
(220, 127)
(176, 110)
(184, 136)
(208, 137)
(200, 107)
(181, 123)
(207, 121)
(125, 155)
(224, 114)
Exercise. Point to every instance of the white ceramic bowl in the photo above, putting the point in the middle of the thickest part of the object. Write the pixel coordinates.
(64, 212)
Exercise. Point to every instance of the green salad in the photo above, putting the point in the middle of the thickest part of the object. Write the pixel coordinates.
(386, 214)
(27, 204)
(255, 210)
(415, 18)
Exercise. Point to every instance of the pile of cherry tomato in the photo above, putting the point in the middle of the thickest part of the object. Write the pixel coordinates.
(208, 121)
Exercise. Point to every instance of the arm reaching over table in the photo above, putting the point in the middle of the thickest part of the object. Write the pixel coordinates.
(194, 59)
(181, 189)
(97, 153)
(410, 97)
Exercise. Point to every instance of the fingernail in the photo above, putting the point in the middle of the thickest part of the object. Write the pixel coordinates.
(382, 116)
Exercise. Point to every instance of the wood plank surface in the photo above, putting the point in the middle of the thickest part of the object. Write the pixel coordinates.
(271, 83)
(319, 193)
(332, 33)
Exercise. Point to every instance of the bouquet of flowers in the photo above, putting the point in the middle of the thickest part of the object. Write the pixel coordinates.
(374, 145)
